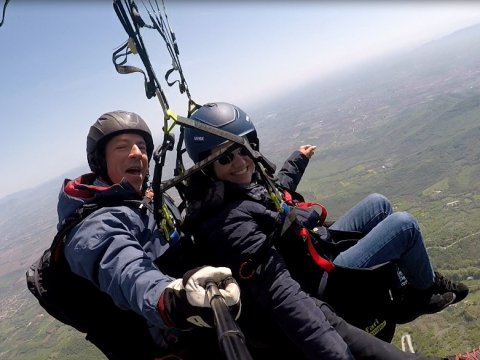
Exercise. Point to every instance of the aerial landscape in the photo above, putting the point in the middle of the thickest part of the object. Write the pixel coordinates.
(406, 127)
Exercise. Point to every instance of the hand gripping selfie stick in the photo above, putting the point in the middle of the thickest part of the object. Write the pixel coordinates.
(230, 337)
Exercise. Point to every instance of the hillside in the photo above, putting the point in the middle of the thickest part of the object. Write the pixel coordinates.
(407, 127)
(380, 101)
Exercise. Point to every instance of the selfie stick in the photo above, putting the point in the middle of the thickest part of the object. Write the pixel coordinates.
(230, 338)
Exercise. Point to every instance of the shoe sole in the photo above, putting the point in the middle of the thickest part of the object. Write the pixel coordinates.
(445, 306)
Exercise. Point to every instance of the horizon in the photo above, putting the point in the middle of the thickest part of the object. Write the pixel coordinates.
(257, 57)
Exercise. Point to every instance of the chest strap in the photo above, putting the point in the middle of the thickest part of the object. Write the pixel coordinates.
(288, 198)
(248, 267)
(322, 262)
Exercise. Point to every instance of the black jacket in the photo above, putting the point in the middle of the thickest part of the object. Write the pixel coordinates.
(231, 223)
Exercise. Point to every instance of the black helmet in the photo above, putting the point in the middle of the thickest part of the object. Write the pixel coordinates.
(221, 115)
(108, 125)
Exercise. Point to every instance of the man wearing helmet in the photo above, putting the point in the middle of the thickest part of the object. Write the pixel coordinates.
(118, 249)
(116, 134)
(231, 214)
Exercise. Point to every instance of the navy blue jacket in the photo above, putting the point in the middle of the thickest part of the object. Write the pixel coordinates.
(232, 223)
(115, 248)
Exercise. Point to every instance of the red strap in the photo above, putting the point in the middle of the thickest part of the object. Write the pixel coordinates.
(287, 197)
(325, 264)
(323, 214)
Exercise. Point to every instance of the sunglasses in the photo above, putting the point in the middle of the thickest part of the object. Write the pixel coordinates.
(226, 159)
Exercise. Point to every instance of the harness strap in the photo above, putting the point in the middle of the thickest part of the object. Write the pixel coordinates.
(159, 157)
(288, 215)
(323, 263)
(288, 198)
(79, 215)
(247, 268)
(57, 244)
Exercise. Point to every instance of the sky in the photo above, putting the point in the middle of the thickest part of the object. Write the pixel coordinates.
(57, 75)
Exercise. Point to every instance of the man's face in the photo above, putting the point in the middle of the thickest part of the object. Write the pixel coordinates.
(126, 157)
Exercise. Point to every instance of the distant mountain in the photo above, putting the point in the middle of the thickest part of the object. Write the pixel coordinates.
(380, 105)
(27, 222)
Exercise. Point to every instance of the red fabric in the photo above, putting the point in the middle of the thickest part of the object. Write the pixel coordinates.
(325, 264)
(163, 311)
(287, 197)
(81, 187)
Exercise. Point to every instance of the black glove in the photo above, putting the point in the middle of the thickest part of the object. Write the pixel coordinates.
(185, 302)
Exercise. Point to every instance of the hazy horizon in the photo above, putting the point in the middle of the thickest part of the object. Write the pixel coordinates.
(58, 77)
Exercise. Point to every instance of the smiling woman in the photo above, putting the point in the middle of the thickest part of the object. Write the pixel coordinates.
(289, 259)
(236, 167)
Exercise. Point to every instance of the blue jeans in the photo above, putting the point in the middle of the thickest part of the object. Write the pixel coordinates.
(389, 237)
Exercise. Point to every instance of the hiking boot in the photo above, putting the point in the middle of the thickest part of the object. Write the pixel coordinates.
(415, 303)
(438, 302)
(472, 355)
(443, 285)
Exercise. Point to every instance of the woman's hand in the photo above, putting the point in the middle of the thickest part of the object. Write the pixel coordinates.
(307, 150)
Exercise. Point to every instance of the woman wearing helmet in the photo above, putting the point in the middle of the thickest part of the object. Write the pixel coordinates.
(232, 216)
(115, 253)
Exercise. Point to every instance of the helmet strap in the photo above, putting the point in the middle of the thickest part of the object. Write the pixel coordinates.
(101, 169)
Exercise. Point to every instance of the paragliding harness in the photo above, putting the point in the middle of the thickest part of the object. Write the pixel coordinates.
(75, 301)
(364, 297)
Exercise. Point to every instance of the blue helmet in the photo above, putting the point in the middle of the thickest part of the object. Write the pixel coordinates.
(220, 115)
